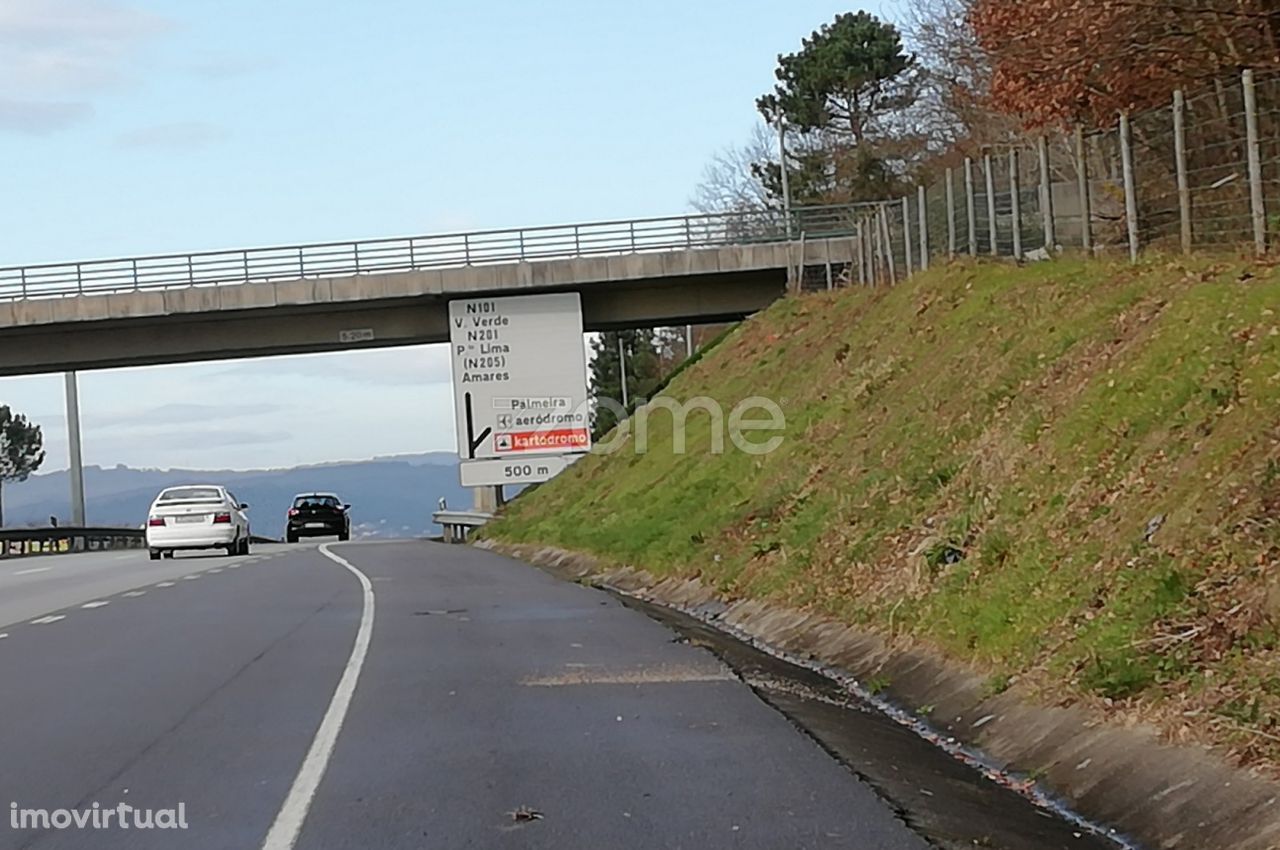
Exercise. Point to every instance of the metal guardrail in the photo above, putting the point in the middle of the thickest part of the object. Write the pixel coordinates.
(16, 542)
(60, 540)
(457, 525)
(487, 247)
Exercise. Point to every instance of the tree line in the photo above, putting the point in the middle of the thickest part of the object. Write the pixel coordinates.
(868, 108)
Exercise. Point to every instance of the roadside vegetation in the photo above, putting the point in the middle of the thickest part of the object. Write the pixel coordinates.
(1067, 474)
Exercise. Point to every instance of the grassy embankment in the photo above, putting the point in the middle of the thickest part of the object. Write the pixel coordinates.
(973, 461)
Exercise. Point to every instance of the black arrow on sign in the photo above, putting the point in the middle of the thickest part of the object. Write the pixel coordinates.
(473, 442)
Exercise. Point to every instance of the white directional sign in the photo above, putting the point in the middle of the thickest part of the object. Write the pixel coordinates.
(524, 470)
(519, 376)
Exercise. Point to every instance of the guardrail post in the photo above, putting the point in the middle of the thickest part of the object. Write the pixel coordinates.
(191, 272)
(302, 264)
(1180, 154)
(24, 283)
(136, 283)
(413, 258)
(1257, 202)
(688, 233)
(466, 247)
(521, 232)
(355, 250)
(577, 240)
(244, 259)
(79, 280)
(632, 227)
(1130, 190)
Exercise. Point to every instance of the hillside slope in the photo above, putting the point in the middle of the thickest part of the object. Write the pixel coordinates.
(1066, 474)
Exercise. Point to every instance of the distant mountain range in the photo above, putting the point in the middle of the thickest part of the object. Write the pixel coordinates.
(389, 497)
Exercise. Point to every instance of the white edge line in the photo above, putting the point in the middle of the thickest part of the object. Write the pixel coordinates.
(45, 621)
(3, 635)
(293, 813)
(33, 571)
(100, 603)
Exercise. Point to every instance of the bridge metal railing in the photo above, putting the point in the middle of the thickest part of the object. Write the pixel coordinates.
(330, 259)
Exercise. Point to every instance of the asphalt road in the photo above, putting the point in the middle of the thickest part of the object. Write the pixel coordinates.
(459, 689)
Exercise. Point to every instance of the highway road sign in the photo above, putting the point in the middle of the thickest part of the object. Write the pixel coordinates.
(523, 470)
(519, 376)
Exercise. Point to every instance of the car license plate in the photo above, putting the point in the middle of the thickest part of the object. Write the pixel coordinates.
(194, 518)
(315, 525)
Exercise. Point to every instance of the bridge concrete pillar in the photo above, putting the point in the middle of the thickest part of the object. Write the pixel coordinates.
(486, 499)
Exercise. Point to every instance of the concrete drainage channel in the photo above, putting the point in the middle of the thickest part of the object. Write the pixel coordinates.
(944, 792)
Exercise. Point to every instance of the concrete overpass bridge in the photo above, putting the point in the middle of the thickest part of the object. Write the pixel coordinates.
(258, 302)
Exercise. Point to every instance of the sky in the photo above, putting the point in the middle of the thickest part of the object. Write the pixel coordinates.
(134, 127)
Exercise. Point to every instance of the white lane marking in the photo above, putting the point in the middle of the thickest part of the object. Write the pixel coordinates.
(165, 584)
(3, 635)
(52, 618)
(100, 603)
(190, 578)
(135, 593)
(214, 570)
(33, 571)
(233, 566)
(293, 813)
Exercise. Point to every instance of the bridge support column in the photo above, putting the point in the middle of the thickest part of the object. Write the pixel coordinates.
(76, 460)
(486, 499)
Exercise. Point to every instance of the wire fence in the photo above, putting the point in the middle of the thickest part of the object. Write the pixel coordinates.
(1202, 172)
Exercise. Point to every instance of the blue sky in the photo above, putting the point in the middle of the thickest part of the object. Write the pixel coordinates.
(148, 127)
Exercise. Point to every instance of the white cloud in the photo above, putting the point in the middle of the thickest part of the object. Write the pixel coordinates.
(38, 118)
(229, 66)
(54, 54)
(181, 135)
(395, 367)
(177, 413)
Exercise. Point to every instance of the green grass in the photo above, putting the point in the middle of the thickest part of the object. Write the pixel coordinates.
(979, 451)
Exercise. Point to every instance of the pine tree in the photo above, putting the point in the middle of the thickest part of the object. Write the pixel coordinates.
(21, 450)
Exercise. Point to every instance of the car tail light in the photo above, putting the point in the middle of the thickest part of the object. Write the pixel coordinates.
(293, 511)
(221, 519)
(155, 521)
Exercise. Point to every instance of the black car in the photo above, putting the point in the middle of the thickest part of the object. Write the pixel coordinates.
(316, 515)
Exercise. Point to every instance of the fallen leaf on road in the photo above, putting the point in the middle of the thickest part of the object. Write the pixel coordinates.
(524, 814)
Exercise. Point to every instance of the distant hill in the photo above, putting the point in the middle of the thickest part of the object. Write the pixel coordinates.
(389, 497)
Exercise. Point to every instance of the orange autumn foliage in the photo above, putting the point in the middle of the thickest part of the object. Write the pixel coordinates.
(1056, 61)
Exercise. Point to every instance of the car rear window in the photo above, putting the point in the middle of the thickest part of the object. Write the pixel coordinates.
(315, 502)
(191, 494)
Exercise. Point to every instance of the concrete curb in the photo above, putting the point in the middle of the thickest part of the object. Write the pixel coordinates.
(1163, 796)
